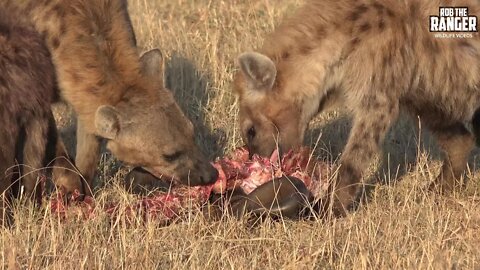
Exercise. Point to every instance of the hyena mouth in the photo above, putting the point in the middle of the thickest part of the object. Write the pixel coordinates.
(160, 175)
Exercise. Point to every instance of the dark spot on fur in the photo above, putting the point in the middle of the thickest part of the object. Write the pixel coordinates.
(17, 49)
(403, 52)
(392, 110)
(464, 43)
(379, 7)
(101, 83)
(306, 49)
(351, 174)
(4, 30)
(354, 43)
(359, 10)
(381, 24)
(370, 103)
(59, 10)
(80, 38)
(285, 55)
(3, 82)
(355, 147)
(56, 12)
(95, 90)
(321, 32)
(403, 27)
(76, 79)
(365, 136)
(370, 155)
(21, 63)
(389, 13)
(89, 66)
(414, 9)
(63, 30)
(278, 82)
(382, 118)
(361, 126)
(387, 61)
(365, 27)
(467, 46)
(55, 43)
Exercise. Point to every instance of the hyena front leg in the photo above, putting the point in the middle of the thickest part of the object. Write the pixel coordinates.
(88, 154)
(5, 196)
(65, 175)
(33, 156)
(7, 157)
(457, 143)
(370, 124)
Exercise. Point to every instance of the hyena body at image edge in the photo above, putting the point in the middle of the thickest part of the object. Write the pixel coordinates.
(116, 95)
(28, 134)
(376, 58)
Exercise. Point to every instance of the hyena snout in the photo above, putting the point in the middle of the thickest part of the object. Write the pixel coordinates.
(266, 147)
(259, 142)
(202, 173)
(210, 175)
(265, 150)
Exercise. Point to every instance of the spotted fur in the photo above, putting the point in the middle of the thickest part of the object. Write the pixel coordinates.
(373, 57)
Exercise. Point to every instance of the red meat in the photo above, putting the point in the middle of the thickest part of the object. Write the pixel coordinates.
(237, 170)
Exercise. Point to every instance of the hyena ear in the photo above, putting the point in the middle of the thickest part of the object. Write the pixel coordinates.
(259, 70)
(152, 65)
(107, 122)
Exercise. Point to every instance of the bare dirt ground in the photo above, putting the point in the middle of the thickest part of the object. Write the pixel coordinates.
(401, 226)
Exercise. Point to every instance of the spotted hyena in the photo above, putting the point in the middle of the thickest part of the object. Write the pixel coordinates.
(28, 134)
(117, 95)
(375, 57)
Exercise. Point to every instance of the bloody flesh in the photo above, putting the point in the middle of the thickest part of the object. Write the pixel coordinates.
(235, 171)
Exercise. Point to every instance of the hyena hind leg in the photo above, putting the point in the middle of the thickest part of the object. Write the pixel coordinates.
(370, 126)
(456, 143)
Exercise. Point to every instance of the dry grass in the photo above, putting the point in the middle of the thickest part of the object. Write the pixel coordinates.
(400, 227)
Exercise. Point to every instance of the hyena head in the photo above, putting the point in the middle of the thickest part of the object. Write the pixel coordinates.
(152, 132)
(269, 116)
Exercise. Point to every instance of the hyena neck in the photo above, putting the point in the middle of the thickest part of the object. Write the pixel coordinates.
(92, 49)
(306, 51)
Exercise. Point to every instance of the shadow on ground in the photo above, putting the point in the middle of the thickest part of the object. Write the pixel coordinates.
(400, 150)
(191, 89)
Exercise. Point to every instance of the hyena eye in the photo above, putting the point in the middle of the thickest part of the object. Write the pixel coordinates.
(251, 133)
(172, 157)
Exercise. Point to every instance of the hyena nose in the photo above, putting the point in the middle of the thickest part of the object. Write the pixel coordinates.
(211, 176)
